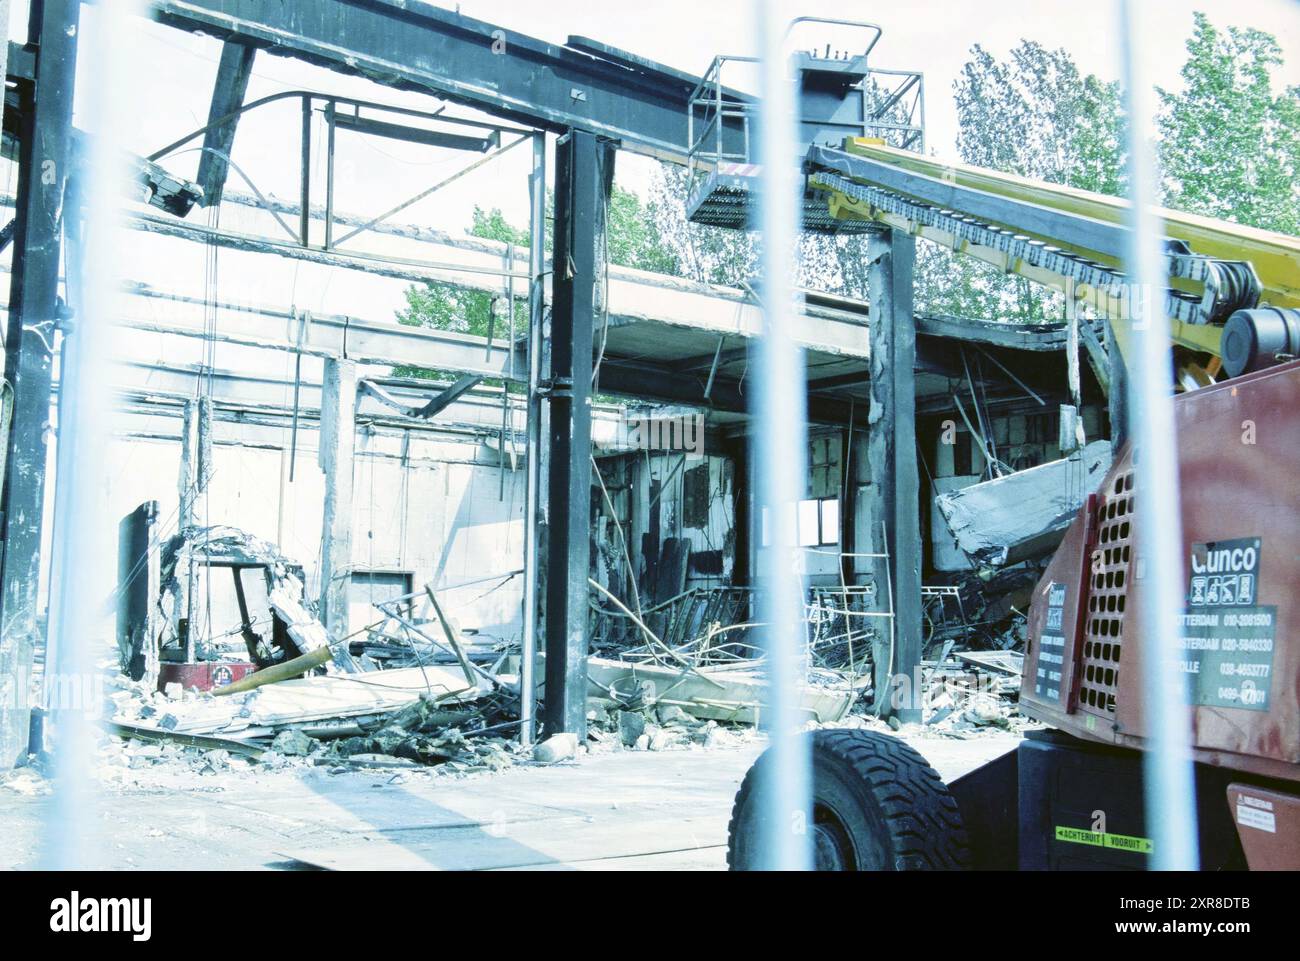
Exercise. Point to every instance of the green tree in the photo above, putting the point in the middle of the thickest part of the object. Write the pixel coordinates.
(1035, 115)
(1230, 147)
(731, 258)
(711, 255)
(445, 306)
(631, 239)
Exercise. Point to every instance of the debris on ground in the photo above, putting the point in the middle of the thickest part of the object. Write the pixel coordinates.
(447, 709)
(650, 694)
(415, 691)
(26, 781)
(731, 693)
(557, 747)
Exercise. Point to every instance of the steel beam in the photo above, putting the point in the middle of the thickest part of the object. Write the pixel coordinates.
(532, 623)
(233, 71)
(33, 315)
(583, 175)
(408, 44)
(420, 135)
(892, 459)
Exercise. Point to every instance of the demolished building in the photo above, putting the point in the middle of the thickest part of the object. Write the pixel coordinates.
(512, 487)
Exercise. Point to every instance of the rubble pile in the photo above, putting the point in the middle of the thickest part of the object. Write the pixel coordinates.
(424, 715)
(651, 727)
(427, 733)
(415, 690)
(971, 702)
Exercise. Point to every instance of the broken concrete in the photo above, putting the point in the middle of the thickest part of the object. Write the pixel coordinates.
(1025, 514)
(558, 747)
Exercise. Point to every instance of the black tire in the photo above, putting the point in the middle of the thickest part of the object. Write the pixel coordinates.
(876, 805)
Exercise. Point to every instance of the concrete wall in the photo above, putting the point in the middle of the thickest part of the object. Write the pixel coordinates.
(430, 507)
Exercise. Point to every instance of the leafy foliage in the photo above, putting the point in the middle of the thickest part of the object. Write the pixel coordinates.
(448, 307)
(1230, 148)
(1037, 116)
(731, 258)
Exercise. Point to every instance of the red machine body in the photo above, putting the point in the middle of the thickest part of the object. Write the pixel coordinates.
(1239, 471)
(202, 675)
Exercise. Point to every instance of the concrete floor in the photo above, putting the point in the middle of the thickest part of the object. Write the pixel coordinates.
(616, 810)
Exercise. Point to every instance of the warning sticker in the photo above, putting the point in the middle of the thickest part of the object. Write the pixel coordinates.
(1051, 645)
(1227, 639)
(1250, 817)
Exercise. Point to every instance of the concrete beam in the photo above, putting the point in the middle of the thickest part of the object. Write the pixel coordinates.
(635, 296)
(479, 410)
(337, 445)
(329, 335)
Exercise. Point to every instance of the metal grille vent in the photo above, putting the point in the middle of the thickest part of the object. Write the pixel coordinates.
(1104, 628)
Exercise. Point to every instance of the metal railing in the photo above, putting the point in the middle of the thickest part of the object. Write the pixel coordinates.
(893, 107)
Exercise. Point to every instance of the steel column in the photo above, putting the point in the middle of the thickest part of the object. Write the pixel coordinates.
(583, 169)
(892, 443)
(737, 450)
(536, 303)
(33, 314)
(1117, 397)
(304, 207)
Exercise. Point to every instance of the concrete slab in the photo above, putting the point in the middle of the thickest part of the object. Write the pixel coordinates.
(614, 810)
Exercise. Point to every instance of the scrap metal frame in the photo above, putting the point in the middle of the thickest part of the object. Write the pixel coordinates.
(227, 109)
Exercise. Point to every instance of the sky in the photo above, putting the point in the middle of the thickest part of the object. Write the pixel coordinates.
(935, 36)
(174, 72)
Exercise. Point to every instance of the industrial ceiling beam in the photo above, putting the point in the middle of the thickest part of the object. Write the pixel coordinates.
(652, 381)
(233, 71)
(420, 135)
(412, 45)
